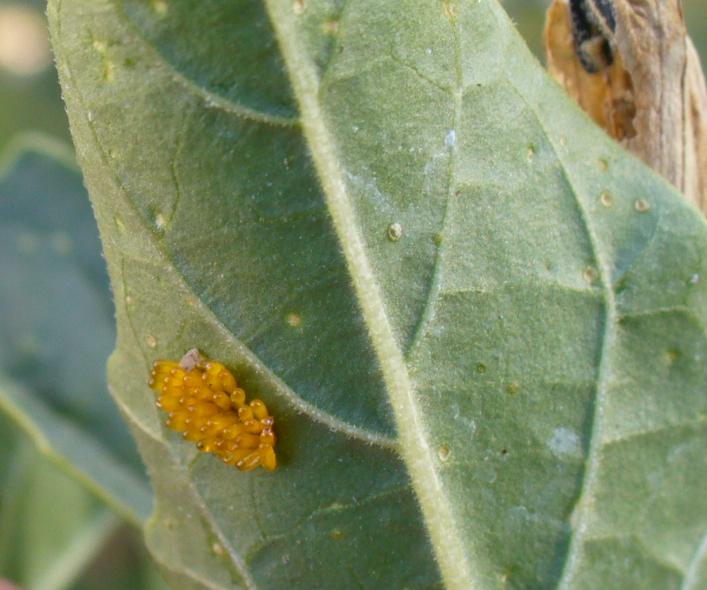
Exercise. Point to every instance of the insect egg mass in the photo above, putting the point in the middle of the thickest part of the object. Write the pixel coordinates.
(205, 403)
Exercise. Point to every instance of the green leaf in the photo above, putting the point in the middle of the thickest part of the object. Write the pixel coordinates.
(41, 547)
(57, 327)
(446, 283)
(81, 546)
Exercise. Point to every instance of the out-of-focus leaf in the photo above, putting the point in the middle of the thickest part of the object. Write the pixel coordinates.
(50, 526)
(55, 534)
(528, 16)
(57, 324)
(122, 564)
(7, 446)
(30, 102)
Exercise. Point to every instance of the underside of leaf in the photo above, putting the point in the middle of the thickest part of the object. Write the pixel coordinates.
(479, 324)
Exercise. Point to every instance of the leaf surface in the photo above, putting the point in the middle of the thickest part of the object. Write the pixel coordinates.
(448, 285)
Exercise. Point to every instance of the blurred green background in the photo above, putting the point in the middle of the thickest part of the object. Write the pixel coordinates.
(58, 529)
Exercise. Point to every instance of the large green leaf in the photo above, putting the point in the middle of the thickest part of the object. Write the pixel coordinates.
(453, 291)
(57, 324)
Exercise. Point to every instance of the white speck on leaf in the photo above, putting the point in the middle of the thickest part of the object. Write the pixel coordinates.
(395, 232)
(565, 443)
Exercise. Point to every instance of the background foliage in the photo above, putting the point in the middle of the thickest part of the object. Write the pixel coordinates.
(52, 365)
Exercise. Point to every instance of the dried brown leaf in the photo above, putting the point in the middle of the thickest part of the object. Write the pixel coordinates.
(652, 97)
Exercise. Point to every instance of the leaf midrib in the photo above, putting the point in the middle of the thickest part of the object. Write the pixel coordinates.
(449, 547)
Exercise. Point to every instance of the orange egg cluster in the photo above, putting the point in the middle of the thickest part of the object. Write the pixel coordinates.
(206, 405)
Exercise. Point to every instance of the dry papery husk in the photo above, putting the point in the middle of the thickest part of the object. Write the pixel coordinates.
(652, 99)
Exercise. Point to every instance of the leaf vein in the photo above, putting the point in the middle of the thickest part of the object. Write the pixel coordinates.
(581, 511)
(298, 403)
(455, 563)
(209, 99)
(435, 285)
